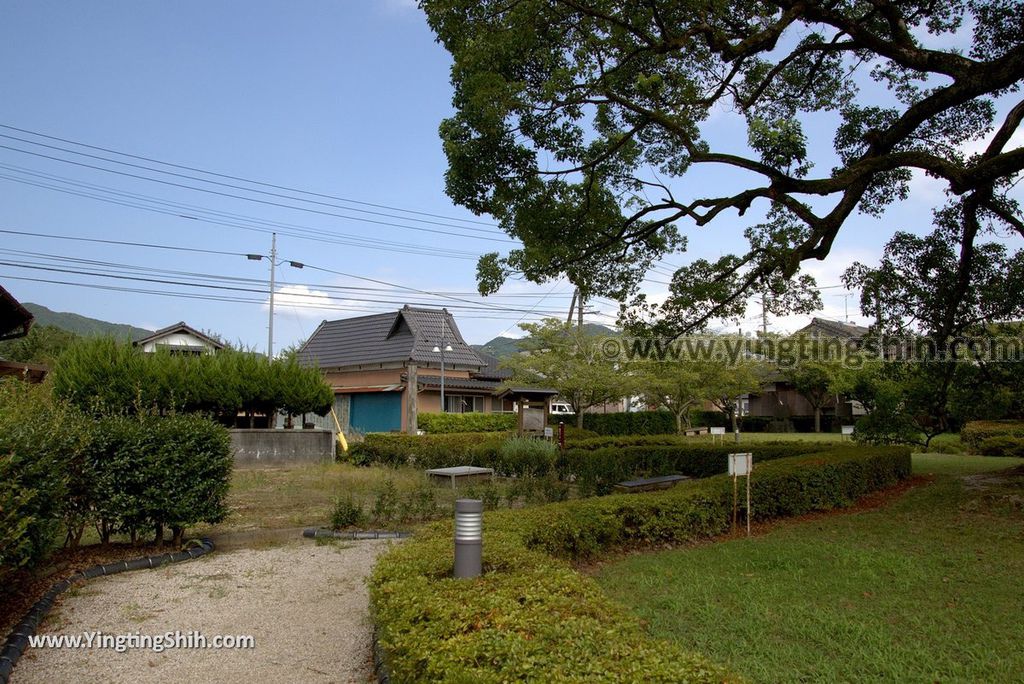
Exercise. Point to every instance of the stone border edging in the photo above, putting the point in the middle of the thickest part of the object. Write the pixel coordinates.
(17, 640)
(379, 667)
(324, 533)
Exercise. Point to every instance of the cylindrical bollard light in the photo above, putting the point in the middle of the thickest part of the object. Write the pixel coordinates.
(469, 517)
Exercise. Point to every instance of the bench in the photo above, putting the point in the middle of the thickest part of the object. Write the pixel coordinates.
(695, 432)
(648, 484)
(466, 473)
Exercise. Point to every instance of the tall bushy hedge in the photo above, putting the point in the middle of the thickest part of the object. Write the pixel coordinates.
(62, 470)
(632, 423)
(106, 376)
(530, 617)
(445, 423)
(39, 438)
(975, 432)
(155, 473)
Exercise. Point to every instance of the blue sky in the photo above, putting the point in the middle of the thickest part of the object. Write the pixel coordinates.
(339, 98)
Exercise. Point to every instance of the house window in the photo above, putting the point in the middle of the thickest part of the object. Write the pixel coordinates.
(463, 403)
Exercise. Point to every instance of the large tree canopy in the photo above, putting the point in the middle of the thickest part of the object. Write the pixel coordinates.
(583, 127)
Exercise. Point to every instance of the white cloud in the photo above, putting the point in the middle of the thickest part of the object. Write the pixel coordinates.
(306, 302)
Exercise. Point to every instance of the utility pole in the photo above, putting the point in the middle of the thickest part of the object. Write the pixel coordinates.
(270, 325)
(764, 316)
(579, 301)
(572, 306)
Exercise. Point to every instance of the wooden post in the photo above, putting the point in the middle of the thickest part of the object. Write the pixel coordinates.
(412, 399)
(748, 501)
(735, 504)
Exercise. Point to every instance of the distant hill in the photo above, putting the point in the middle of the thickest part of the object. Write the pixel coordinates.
(506, 346)
(83, 325)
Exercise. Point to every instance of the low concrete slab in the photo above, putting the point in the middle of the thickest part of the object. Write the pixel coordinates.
(461, 473)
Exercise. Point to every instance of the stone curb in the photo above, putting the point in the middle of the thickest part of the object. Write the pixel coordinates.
(17, 640)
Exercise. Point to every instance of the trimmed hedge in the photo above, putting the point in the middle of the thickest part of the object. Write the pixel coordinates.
(596, 471)
(976, 431)
(444, 423)
(632, 423)
(530, 617)
(34, 463)
(1002, 446)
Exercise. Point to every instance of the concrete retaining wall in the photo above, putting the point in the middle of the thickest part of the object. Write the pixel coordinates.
(277, 447)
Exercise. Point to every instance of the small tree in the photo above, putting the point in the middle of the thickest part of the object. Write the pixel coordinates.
(565, 358)
(675, 386)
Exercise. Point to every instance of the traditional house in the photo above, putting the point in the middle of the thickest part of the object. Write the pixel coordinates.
(779, 399)
(179, 339)
(386, 369)
(15, 321)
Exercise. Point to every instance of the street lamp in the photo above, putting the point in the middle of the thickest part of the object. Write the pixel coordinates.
(442, 349)
(273, 263)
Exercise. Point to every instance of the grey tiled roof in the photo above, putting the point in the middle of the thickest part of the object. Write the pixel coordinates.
(409, 334)
(835, 328)
(433, 381)
(491, 369)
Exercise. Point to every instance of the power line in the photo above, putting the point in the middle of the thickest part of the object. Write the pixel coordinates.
(221, 298)
(239, 178)
(104, 269)
(297, 231)
(243, 197)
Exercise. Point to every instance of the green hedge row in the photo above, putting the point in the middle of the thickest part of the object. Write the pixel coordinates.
(531, 617)
(633, 423)
(62, 472)
(596, 471)
(976, 431)
(1002, 446)
(444, 423)
(501, 451)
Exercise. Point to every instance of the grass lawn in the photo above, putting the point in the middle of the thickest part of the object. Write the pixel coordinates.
(926, 588)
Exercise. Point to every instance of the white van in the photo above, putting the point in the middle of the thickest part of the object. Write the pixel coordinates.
(561, 408)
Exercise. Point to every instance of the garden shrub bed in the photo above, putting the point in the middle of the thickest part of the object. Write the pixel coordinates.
(530, 616)
(1002, 446)
(977, 431)
(596, 471)
(445, 423)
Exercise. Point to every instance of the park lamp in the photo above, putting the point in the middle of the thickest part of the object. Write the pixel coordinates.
(469, 517)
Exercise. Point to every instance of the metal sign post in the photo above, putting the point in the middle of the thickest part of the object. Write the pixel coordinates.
(740, 464)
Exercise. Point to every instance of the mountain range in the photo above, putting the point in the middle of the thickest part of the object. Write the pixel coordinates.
(506, 346)
(83, 325)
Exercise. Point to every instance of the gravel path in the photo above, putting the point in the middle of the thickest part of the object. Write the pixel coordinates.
(305, 604)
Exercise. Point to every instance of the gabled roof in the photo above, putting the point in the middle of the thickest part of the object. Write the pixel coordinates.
(824, 326)
(408, 334)
(15, 320)
(179, 327)
(491, 370)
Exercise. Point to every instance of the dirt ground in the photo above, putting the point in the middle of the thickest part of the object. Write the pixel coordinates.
(305, 604)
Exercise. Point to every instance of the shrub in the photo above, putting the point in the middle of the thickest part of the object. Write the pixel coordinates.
(160, 472)
(430, 451)
(346, 513)
(976, 431)
(631, 423)
(438, 423)
(526, 457)
(530, 615)
(1002, 446)
(39, 439)
(385, 503)
(597, 470)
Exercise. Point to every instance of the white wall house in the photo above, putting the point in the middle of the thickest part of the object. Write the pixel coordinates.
(180, 339)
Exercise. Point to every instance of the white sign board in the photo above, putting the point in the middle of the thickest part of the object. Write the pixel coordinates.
(740, 464)
(549, 432)
(847, 429)
(718, 430)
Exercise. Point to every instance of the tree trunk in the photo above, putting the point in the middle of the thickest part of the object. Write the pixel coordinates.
(817, 419)
(735, 418)
(679, 422)
(159, 534)
(579, 418)
(178, 533)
